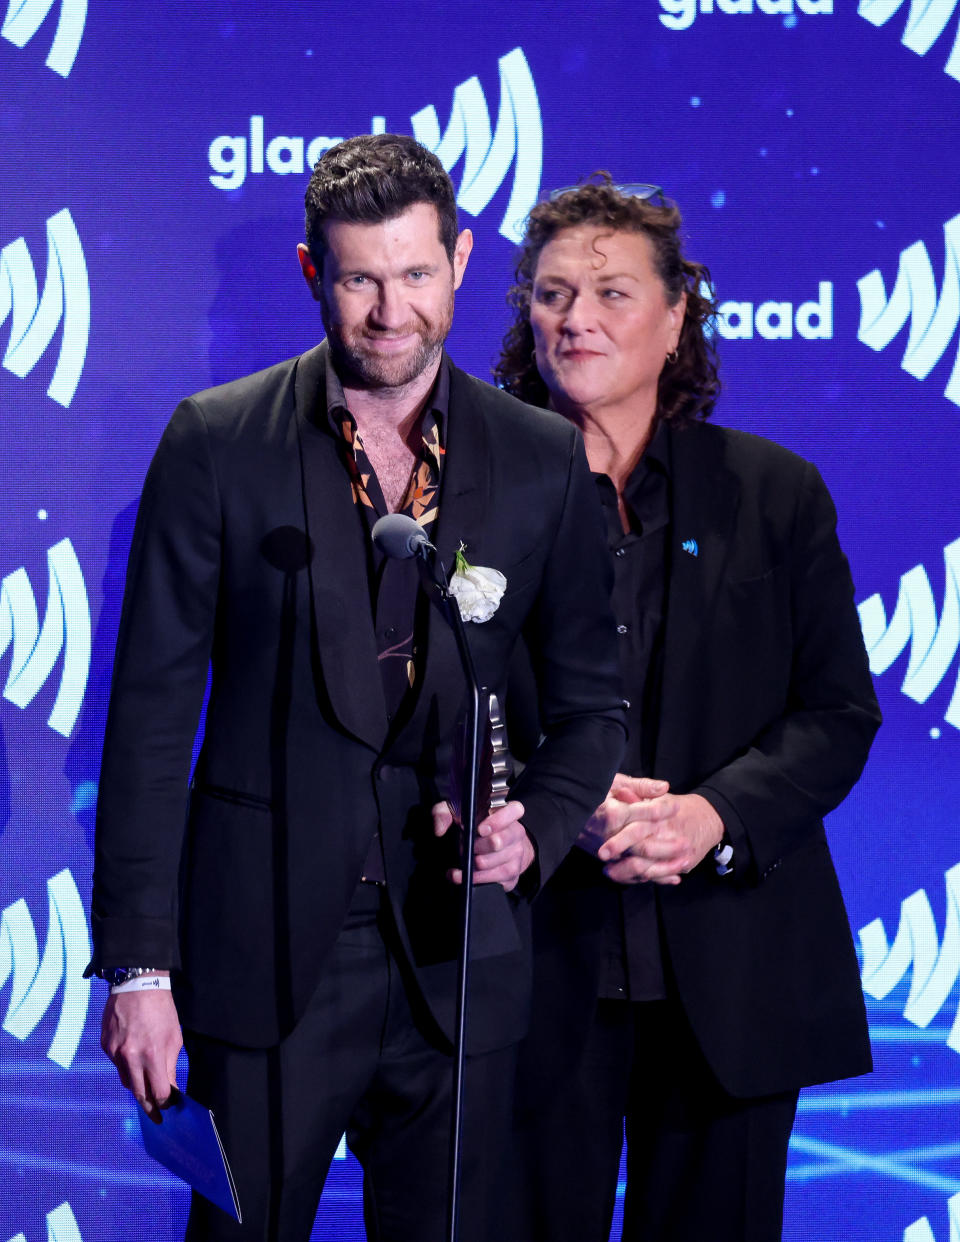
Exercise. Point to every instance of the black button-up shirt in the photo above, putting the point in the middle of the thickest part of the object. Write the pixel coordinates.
(632, 965)
(397, 604)
(394, 584)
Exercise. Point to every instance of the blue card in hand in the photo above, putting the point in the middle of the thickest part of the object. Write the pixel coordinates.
(187, 1143)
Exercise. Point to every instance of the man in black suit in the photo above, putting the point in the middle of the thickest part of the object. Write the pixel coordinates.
(693, 963)
(307, 912)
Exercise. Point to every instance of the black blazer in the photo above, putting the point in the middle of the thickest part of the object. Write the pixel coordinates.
(767, 710)
(249, 558)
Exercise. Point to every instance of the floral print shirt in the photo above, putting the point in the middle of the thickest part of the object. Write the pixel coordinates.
(394, 584)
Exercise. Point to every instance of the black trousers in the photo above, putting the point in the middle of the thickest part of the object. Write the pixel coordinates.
(702, 1166)
(360, 1061)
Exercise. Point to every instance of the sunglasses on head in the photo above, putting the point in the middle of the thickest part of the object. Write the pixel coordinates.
(631, 189)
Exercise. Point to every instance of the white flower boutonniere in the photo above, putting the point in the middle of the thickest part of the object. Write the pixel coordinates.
(476, 589)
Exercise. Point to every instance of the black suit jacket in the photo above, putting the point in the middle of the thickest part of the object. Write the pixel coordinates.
(767, 710)
(249, 558)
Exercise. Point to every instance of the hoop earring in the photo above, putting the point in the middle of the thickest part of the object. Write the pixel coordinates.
(672, 356)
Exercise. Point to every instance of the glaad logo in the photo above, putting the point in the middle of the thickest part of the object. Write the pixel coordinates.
(35, 983)
(25, 17)
(66, 629)
(487, 160)
(777, 321)
(282, 155)
(935, 965)
(61, 1226)
(920, 1230)
(34, 320)
(914, 621)
(926, 22)
(518, 139)
(933, 321)
(681, 14)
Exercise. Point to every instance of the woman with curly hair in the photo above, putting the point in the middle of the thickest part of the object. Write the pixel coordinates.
(694, 965)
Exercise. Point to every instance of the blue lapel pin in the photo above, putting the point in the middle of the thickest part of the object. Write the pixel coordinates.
(690, 545)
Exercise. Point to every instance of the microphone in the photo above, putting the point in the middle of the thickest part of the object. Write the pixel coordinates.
(400, 537)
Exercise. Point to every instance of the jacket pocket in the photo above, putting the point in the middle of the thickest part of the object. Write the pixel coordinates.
(236, 797)
(756, 582)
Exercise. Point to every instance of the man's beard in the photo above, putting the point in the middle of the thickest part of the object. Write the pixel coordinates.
(369, 369)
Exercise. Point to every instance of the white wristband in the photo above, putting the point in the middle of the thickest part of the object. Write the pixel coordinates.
(143, 983)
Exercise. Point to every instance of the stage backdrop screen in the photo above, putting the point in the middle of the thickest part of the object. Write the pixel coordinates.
(153, 159)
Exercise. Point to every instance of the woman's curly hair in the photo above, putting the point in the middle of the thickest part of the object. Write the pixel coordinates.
(688, 388)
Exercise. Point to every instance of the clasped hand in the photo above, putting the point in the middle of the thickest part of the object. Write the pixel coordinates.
(502, 851)
(644, 833)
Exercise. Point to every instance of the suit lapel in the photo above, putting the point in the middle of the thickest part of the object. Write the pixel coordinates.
(340, 590)
(466, 472)
(705, 497)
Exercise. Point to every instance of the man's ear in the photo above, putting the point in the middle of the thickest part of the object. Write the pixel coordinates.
(461, 252)
(309, 269)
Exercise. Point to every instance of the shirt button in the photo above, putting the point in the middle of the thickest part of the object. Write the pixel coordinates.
(621, 552)
(621, 629)
(390, 632)
(625, 702)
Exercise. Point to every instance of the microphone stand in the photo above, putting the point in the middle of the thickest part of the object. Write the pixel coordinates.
(433, 572)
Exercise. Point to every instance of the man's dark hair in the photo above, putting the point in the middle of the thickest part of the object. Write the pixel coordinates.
(376, 177)
(688, 387)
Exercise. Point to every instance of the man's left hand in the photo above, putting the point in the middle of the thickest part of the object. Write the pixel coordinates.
(503, 850)
(661, 839)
